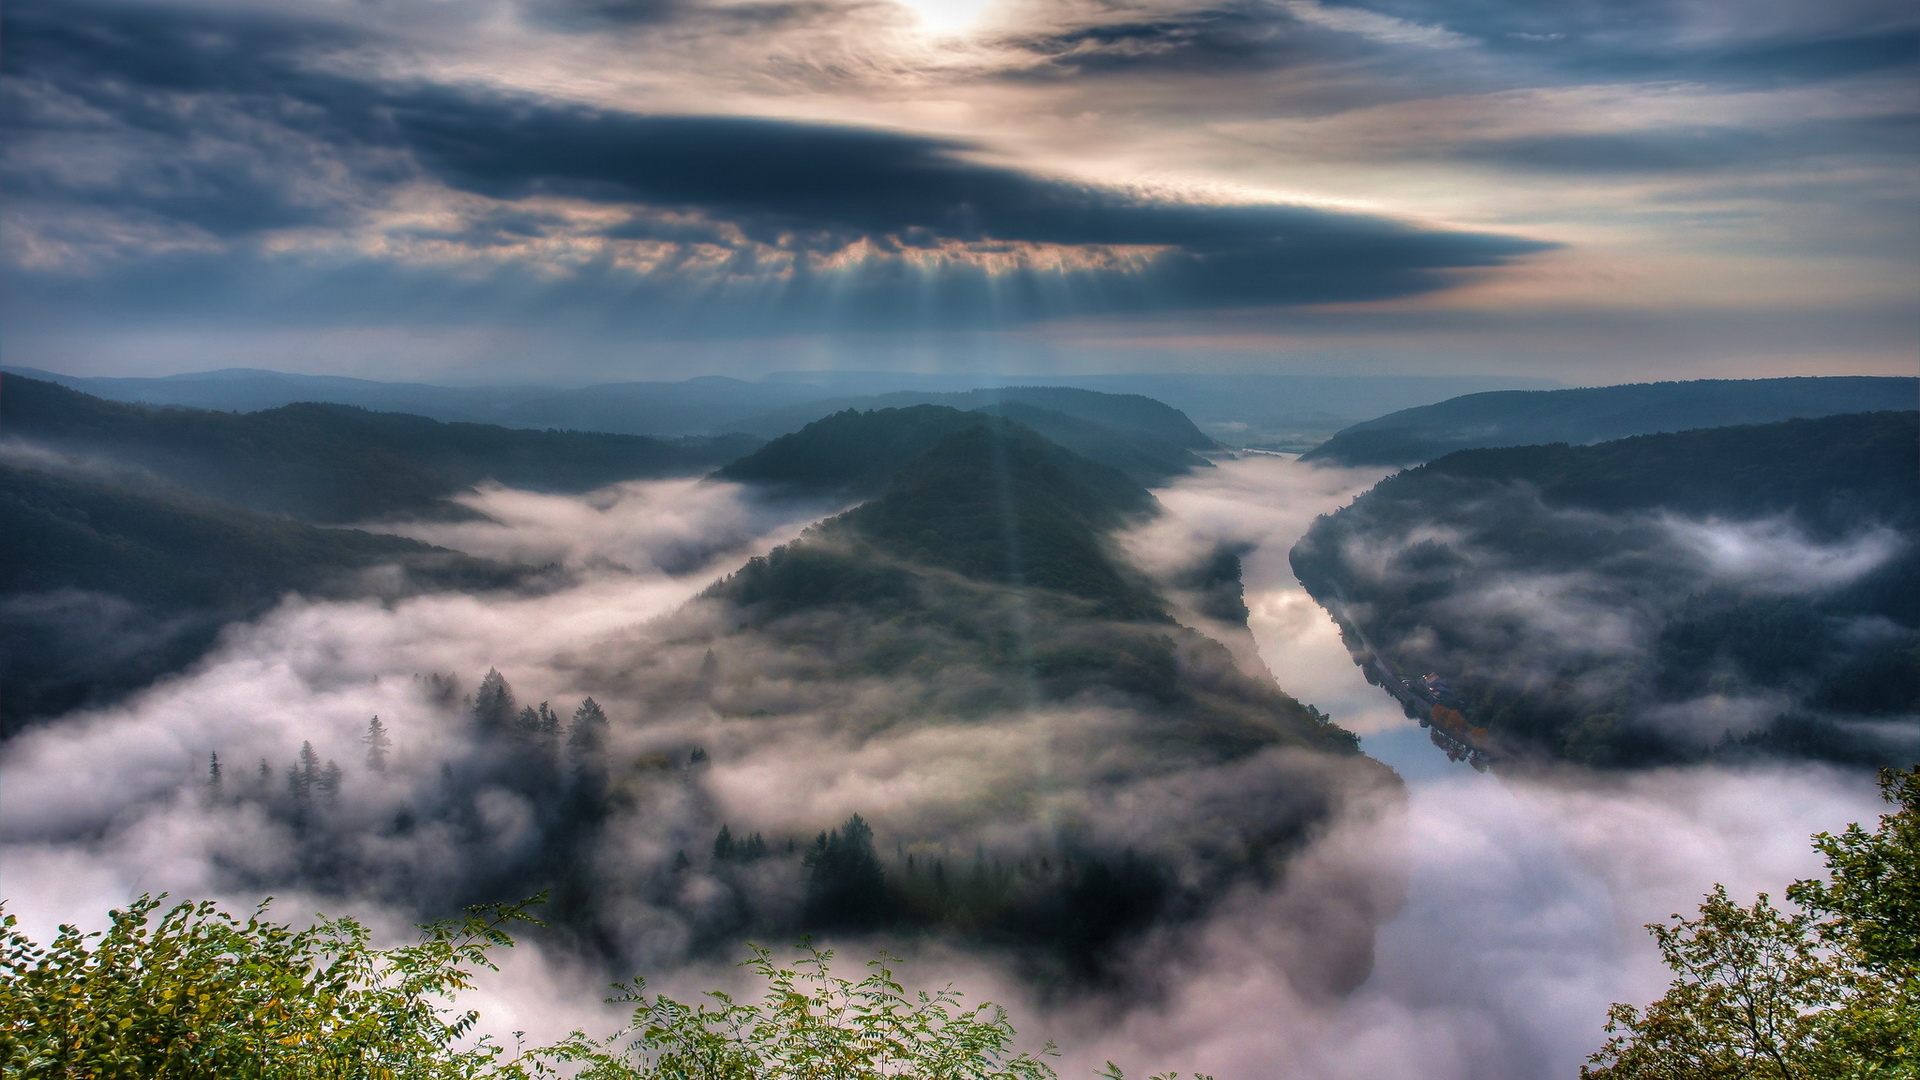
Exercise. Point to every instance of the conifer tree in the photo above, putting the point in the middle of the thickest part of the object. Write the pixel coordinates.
(328, 782)
(214, 787)
(302, 774)
(846, 888)
(723, 850)
(587, 735)
(378, 745)
(493, 705)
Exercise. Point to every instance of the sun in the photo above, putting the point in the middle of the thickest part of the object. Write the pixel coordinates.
(947, 18)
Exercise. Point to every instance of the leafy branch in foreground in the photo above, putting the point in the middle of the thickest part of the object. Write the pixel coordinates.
(196, 993)
(1827, 991)
(199, 993)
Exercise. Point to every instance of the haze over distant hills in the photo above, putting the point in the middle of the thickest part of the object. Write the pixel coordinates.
(1593, 414)
(1276, 411)
(335, 464)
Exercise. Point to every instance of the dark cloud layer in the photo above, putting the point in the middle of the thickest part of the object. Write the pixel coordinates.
(226, 125)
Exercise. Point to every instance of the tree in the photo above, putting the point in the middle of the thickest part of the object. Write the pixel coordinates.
(587, 736)
(215, 790)
(196, 992)
(493, 704)
(303, 774)
(846, 888)
(328, 782)
(1826, 991)
(378, 744)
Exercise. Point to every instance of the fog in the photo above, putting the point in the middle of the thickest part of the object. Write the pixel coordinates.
(1699, 630)
(1509, 910)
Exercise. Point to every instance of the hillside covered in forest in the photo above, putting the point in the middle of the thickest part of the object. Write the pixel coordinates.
(338, 464)
(1596, 414)
(1721, 593)
(106, 586)
(1097, 770)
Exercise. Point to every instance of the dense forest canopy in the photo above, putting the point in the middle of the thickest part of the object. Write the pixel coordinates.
(1711, 593)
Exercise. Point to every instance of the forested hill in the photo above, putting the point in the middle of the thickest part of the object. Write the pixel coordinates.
(103, 588)
(1722, 592)
(853, 454)
(1001, 505)
(331, 464)
(1527, 417)
(1133, 413)
(976, 596)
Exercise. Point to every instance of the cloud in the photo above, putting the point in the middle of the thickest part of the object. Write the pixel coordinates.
(176, 160)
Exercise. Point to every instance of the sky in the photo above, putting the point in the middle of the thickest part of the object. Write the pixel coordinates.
(594, 189)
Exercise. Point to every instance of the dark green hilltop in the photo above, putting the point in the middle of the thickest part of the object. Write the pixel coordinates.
(1595, 414)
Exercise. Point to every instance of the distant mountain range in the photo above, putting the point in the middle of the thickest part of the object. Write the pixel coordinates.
(1274, 411)
(1595, 414)
(1717, 593)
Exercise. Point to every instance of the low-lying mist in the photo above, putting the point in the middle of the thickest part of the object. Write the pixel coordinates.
(1494, 918)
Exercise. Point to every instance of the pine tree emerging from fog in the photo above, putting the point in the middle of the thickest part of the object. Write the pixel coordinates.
(846, 888)
(328, 783)
(378, 745)
(587, 735)
(215, 790)
(493, 704)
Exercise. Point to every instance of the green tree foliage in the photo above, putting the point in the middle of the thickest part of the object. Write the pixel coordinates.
(809, 1024)
(1827, 991)
(196, 993)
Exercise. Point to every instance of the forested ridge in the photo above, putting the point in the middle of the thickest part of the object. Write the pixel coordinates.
(339, 464)
(852, 454)
(1717, 593)
(1501, 418)
(104, 588)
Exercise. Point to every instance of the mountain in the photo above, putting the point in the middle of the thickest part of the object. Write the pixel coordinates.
(853, 454)
(1131, 413)
(1594, 414)
(331, 464)
(1277, 412)
(106, 586)
(699, 406)
(1717, 593)
(1263, 411)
